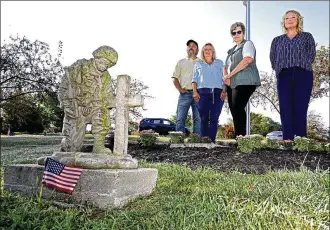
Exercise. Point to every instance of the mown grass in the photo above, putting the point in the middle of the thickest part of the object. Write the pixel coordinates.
(191, 199)
(29, 140)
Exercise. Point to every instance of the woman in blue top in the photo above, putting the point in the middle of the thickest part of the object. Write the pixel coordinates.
(207, 88)
(291, 56)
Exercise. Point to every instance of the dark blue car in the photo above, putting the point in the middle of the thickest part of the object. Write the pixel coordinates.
(159, 125)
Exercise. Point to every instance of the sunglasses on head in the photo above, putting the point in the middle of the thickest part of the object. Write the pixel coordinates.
(234, 33)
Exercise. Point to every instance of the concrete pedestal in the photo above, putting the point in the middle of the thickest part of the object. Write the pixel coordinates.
(101, 188)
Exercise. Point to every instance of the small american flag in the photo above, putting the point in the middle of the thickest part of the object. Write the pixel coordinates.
(59, 176)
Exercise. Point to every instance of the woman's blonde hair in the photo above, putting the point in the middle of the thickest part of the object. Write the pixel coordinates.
(300, 21)
(213, 56)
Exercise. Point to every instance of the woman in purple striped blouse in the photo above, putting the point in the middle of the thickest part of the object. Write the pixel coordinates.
(291, 56)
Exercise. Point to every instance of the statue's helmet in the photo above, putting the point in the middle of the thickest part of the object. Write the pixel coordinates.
(108, 53)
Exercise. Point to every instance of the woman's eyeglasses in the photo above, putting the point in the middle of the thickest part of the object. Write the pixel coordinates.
(234, 33)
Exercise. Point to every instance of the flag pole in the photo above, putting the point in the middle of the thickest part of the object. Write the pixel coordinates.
(247, 36)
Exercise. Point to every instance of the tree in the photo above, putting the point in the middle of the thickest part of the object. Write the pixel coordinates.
(316, 128)
(262, 125)
(266, 95)
(137, 87)
(321, 69)
(21, 114)
(189, 121)
(51, 113)
(28, 68)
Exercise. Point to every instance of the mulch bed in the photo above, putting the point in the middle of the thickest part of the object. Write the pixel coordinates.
(228, 159)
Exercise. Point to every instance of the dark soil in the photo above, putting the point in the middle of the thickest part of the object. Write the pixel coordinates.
(228, 159)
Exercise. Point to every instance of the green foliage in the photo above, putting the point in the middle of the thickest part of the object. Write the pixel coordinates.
(193, 199)
(194, 138)
(185, 199)
(177, 137)
(261, 124)
(321, 72)
(189, 121)
(326, 147)
(28, 67)
(21, 114)
(51, 113)
(148, 138)
(272, 144)
(315, 146)
(301, 143)
(32, 114)
(246, 144)
(316, 128)
(133, 126)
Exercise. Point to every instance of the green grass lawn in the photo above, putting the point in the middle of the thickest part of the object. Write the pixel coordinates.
(185, 199)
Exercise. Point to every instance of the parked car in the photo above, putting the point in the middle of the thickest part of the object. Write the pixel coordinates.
(159, 125)
(275, 135)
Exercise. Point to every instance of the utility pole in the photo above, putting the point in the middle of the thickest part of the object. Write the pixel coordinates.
(247, 37)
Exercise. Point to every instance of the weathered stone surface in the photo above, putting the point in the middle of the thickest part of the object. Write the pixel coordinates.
(123, 102)
(85, 94)
(93, 161)
(110, 188)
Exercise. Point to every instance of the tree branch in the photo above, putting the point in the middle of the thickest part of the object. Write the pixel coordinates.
(269, 101)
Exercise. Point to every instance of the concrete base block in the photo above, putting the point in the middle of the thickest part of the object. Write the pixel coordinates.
(101, 188)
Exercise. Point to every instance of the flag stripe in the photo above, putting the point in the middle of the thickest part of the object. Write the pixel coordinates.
(58, 185)
(73, 169)
(61, 178)
(73, 173)
(47, 177)
(58, 188)
(69, 176)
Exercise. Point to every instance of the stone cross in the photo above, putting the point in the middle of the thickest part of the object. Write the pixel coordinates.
(122, 103)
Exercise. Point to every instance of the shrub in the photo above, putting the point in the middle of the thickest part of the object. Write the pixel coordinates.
(326, 147)
(257, 140)
(272, 144)
(244, 144)
(194, 138)
(220, 132)
(315, 146)
(229, 132)
(301, 143)
(206, 140)
(148, 138)
(247, 143)
(177, 137)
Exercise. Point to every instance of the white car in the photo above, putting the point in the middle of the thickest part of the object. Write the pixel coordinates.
(276, 135)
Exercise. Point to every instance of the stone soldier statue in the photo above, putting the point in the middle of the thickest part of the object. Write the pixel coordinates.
(85, 95)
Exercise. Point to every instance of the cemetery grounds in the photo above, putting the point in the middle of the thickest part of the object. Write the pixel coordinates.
(196, 189)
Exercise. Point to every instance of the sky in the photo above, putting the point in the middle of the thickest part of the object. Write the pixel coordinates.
(150, 37)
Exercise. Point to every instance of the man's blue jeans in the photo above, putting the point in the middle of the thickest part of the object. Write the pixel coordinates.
(209, 106)
(185, 101)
